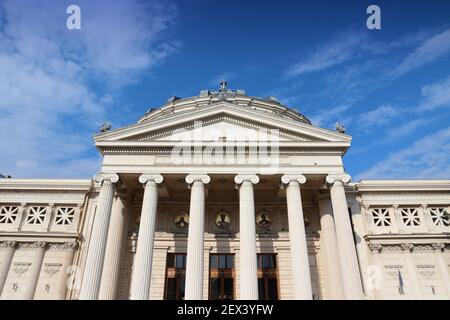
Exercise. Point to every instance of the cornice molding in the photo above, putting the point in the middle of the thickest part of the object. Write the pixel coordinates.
(46, 184)
(145, 149)
(402, 185)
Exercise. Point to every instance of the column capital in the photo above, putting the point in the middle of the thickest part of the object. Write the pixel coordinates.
(8, 244)
(203, 178)
(343, 178)
(240, 178)
(288, 178)
(100, 177)
(146, 177)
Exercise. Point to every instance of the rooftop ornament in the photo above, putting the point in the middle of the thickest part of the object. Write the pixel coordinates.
(105, 127)
(340, 127)
(223, 93)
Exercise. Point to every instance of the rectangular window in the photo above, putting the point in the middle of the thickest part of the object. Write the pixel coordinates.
(267, 277)
(175, 276)
(221, 277)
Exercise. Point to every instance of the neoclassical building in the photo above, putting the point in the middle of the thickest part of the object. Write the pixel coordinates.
(224, 196)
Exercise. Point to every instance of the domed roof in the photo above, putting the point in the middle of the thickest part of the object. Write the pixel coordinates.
(223, 94)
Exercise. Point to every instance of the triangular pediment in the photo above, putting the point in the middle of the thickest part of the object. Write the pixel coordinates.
(221, 122)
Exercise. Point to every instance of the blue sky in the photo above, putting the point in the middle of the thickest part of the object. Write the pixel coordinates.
(390, 87)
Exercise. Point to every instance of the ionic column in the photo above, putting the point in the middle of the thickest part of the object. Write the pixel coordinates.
(442, 265)
(90, 286)
(247, 237)
(8, 248)
(330, 249)
(34, 270)
(142, 273)
(194, 259)
(117, 233)
(297, 236)
(350, 274)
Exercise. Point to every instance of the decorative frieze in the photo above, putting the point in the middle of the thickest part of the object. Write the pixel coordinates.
(438, 246)
(8, 244)
(411, 247)
(63, 246)
(407, 246)
(32, 245)
(375, 247)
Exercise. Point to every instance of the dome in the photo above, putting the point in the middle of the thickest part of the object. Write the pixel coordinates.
(223, 94)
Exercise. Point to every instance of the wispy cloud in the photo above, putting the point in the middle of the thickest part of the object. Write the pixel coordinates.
(342, 48)
(378, 117)
(435, 95)
(397, 132)
(428, 157)
(430, 50)
(48, 102)
(325, 114)
(351, 65)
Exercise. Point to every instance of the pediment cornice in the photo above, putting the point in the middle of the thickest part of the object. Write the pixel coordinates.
(246, 117)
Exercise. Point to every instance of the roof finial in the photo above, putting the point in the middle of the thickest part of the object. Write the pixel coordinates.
(223, 86)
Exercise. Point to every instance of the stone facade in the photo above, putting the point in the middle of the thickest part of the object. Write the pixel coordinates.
(111, 237)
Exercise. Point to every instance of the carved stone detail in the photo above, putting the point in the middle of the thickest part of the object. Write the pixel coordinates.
(32, 245)
(343, 178)
(63, 246)
(438, 246)
(21, 267)
(407, 246)
(8, 244)
(52, 268)
(375, 247)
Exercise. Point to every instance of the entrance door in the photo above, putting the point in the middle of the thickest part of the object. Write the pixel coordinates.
(221, 277)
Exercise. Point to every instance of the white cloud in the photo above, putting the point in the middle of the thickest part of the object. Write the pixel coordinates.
(49, 109)
(397, 132)
(435, 95)
(428, 157)
(340, 49)
(430, 50)
(378, 117)
(329, 115)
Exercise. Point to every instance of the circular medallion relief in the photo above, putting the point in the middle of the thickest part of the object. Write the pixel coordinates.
(222, 220)
(181, 220)
(264, 219)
